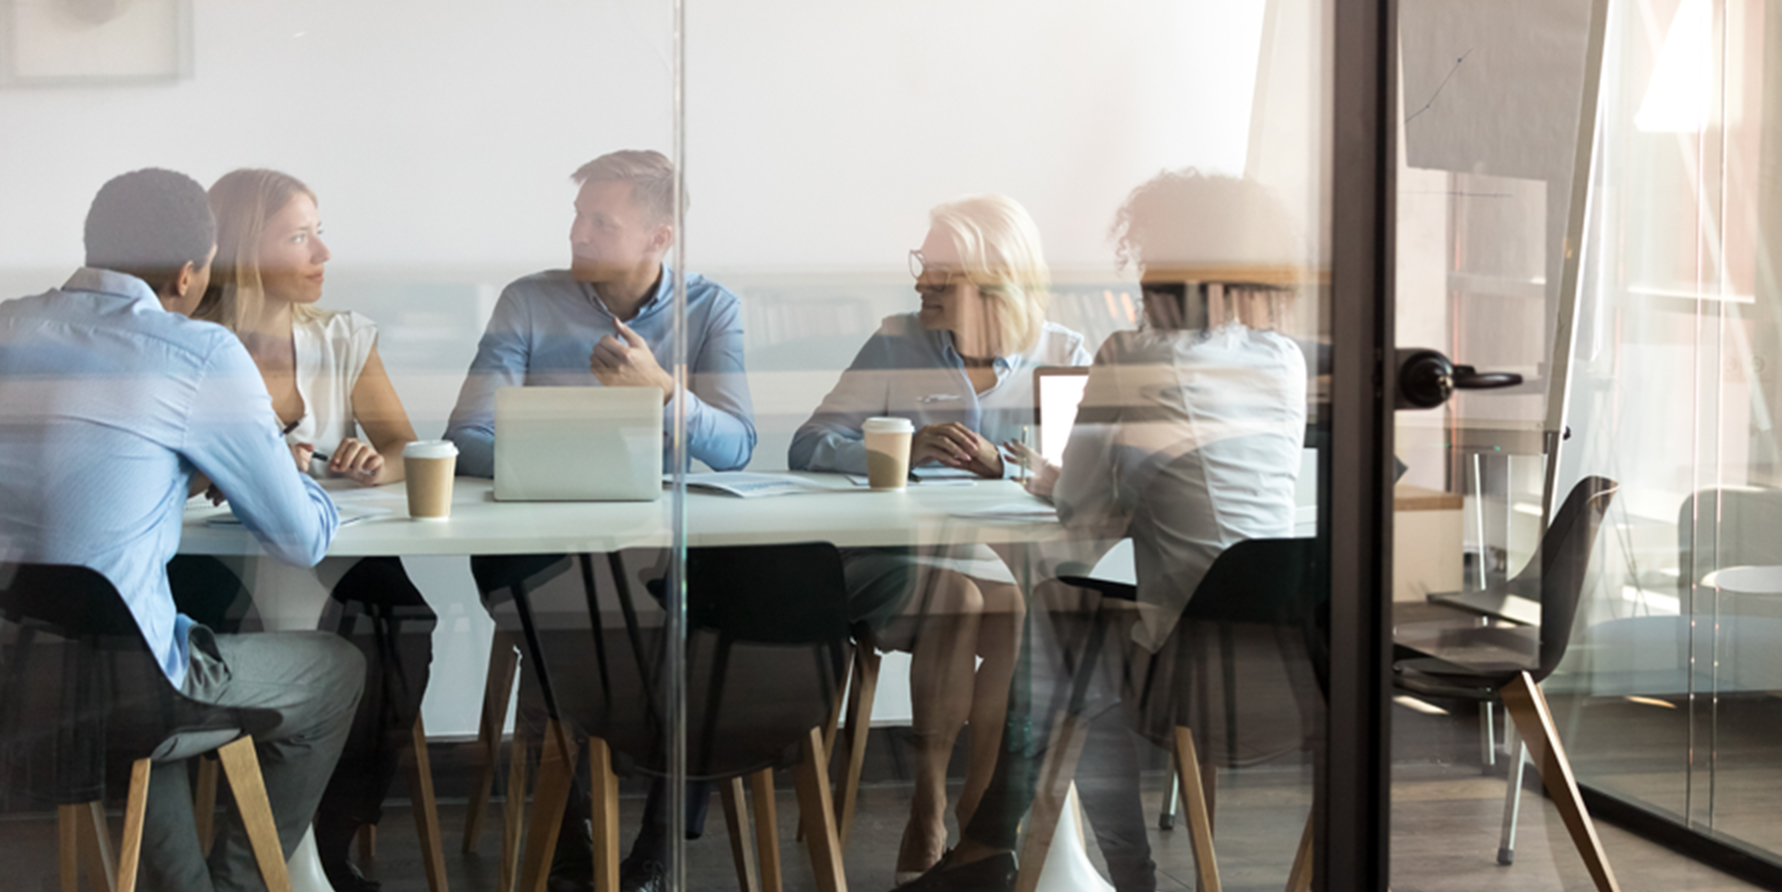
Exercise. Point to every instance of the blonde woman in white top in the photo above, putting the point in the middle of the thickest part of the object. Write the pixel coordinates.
(331, 392)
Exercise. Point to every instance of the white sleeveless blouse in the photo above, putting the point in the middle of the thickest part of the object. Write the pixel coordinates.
(331, 351)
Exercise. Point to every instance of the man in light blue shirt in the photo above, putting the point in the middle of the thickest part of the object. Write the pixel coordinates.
(608, 320)
(111, 403)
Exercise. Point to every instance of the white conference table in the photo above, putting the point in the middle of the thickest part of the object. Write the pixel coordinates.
(843, 514)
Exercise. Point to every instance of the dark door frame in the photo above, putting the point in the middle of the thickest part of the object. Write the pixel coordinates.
(1353, 813)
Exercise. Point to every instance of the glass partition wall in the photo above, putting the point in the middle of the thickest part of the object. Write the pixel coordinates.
(1596, 226)
(1029, 309)
(1677, 329)
(932, 444)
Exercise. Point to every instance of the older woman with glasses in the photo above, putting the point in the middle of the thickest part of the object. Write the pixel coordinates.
(960, 369)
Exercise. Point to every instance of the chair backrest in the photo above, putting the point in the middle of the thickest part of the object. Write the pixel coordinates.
(1266, 581)
(76, 672)
(1565, 559)
(1247, 663)
(78, 683)
(768, 639)
(1726, 526)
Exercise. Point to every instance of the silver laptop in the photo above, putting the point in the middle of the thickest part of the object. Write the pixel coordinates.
(578, 444)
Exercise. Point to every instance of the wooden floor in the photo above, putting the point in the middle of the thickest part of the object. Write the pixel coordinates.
(1446, 819)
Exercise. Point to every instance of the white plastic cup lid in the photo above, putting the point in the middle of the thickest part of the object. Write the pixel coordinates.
(888, 426)
(430, 449)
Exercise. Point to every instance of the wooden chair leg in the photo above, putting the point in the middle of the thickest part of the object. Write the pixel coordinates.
(830, 726)
(860, 700)
(135, 813)
(604, 803)
(95, 843)
(420, 783)
(1194, 802)
(512, 815)
(1066, 747)
(742, 843)
(1534, 721)
(367, 837)
(767, 829)
(1299, 879)
(497, 690)
(242, 766)
(556, 771)
(68, 818)
(811, 776)
(204, 803)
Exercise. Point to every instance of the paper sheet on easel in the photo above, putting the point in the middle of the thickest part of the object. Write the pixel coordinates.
(1511, 107)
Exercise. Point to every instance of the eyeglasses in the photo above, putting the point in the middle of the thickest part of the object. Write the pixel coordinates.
(919, 267)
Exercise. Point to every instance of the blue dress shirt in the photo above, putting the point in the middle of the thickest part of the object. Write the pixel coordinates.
(906, 371)
(108, 404)
(543, 333)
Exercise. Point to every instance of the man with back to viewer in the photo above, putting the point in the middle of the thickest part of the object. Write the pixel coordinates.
(112, 403)
(608, 321)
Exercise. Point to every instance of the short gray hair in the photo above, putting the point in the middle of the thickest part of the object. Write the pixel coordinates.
(649, 172)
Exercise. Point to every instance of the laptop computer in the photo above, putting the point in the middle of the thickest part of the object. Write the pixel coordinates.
(1057, 391)
(578, 444)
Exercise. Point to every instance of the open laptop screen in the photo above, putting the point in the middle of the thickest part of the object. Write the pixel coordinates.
(1056, 392)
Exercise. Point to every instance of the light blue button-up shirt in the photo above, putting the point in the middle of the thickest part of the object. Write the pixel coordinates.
(543, 333)
(108, 404)
(906, 371)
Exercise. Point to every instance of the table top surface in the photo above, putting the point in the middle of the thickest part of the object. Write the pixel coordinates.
(1762, 580)
(842, 513)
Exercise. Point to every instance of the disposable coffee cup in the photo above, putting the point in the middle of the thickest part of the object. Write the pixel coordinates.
(888, 452)
(429, 466)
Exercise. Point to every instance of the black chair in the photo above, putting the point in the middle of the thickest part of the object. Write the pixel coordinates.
(1258, 599)
(1507, 664)
(501, 580)
(768, 645)
(80, 685)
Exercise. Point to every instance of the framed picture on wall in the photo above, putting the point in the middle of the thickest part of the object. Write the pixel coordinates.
(95, 42)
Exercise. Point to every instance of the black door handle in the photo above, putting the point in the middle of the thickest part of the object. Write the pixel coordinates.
(1426, 378)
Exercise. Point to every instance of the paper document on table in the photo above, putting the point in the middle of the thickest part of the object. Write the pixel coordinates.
(750, 486)
(1034, 510)
(348, 516)
(931, 473)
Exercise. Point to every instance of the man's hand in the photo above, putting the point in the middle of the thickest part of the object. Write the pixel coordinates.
(956, 446)
(628, 363)
(201, 484)
(356, 459)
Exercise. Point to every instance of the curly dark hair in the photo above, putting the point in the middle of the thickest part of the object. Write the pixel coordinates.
(150, 223)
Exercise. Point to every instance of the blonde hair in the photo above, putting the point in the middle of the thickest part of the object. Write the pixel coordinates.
(243, 201)
(999, 246)
(649, 172)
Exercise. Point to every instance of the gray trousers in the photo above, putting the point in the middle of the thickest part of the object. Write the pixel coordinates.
(312, 681)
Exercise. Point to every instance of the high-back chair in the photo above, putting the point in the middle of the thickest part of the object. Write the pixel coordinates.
(1726, 526)
(1491, 664)
(80, 682)
(1260, 599)
(768, 644)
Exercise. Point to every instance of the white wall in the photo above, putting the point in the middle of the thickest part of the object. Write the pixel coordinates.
(440, 135)
(442, 132)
